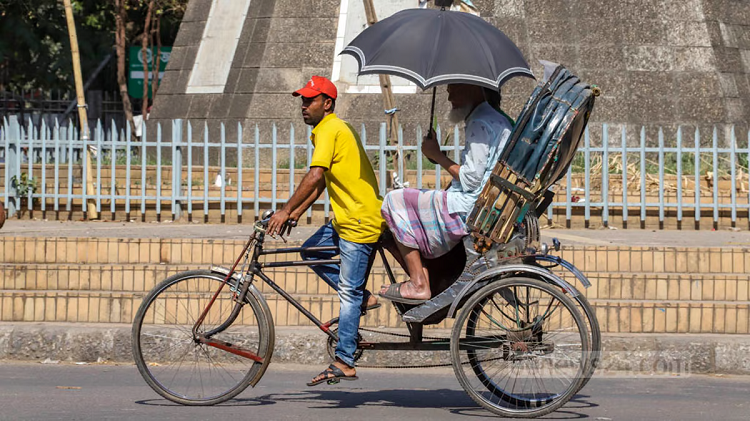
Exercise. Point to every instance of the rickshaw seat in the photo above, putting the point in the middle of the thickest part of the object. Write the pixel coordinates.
(443, 271)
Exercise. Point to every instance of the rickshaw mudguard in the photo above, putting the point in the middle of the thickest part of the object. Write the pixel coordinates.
(567, 265)
(516, 269)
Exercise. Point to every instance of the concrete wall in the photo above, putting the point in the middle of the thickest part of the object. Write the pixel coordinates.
(658, 62)
(103, 280)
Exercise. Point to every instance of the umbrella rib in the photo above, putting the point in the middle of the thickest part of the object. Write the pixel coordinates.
(426, 83)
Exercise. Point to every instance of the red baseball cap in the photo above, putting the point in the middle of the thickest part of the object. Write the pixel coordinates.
(315, 86)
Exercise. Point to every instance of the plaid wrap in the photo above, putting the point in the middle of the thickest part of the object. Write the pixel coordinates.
(419, 219)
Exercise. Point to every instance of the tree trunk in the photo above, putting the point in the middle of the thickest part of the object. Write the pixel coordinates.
(157, 62)
(120, 41)
(145, 41)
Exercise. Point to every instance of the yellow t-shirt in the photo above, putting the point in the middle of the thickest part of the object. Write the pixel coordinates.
(350, 180)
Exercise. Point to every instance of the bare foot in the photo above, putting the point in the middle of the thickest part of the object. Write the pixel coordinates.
(410, 290)
(371, 300)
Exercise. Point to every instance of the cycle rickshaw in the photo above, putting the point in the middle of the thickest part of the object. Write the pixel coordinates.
(523, 341)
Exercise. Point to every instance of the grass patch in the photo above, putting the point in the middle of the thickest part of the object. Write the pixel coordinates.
(284, 164)
(411, 164)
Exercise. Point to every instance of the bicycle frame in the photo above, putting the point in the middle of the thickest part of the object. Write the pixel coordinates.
(255, 268)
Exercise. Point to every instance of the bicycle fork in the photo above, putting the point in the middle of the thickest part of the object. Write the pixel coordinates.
(205, 338)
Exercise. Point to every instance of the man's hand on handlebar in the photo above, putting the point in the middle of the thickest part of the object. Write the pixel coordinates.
(281, 222)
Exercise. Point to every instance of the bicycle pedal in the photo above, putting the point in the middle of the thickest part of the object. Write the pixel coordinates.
(334, 381)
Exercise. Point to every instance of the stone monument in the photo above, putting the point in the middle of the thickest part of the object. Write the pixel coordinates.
(658, 62)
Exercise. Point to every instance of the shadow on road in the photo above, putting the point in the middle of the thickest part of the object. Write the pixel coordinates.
(568, 411)
(259, 401)
(354, 398)
(455, 401)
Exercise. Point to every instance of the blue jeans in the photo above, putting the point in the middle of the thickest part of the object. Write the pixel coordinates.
(348, 280)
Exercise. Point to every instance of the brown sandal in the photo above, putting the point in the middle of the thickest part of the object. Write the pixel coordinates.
(338, 375)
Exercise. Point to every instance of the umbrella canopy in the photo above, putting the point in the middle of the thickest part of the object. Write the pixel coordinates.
(432, 47)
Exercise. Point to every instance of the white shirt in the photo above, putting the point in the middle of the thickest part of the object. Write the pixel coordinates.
(486, 133)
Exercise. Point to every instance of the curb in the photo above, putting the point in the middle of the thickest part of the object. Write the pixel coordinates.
(671, 355)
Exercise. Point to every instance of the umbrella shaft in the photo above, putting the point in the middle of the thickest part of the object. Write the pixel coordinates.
(432, 109)
(432, 116)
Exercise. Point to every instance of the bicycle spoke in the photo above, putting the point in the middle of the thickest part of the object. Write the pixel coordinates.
(171, 360)
(524, 358)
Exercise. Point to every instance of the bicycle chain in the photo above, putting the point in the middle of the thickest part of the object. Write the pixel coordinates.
(401, 335)
(405, 366)
(422, 365)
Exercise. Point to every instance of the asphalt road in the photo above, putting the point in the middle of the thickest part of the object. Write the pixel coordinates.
(103, 392)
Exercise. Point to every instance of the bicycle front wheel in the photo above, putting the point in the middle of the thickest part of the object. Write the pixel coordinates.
(185, 370)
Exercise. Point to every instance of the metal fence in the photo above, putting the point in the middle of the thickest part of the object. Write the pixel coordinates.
(36, 106)
(620, 174)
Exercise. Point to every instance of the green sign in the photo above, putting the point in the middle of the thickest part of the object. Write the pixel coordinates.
(135, 68)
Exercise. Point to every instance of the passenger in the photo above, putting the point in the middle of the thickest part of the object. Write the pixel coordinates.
(429, 223)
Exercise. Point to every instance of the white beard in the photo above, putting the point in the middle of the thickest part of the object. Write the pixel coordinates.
(458, 115)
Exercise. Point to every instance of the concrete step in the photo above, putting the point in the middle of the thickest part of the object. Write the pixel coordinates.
(141, 278)
(615, 316)
(635, 289)
(630, 354)
(664, 286)
(624, 302)
(589, 259)
(121, 306)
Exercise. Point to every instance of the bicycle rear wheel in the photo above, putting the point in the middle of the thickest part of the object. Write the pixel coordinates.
(520, 348)
(592, 323)
(181, 368)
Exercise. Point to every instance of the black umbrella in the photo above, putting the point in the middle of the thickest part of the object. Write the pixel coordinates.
(434, 47)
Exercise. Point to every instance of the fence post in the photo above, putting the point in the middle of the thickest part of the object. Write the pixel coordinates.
(679, 176)
(587, 175)
(13, 163)
(715, 164)
(176, 169)
(697, 172)
(30, 136)
(382, 161)
(605, 174)
(223, 171)
(239, 170)
(733, 172)
(661, 178)
(624, 176)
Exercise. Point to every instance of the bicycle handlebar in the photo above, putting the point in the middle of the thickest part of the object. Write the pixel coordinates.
(265, 218)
